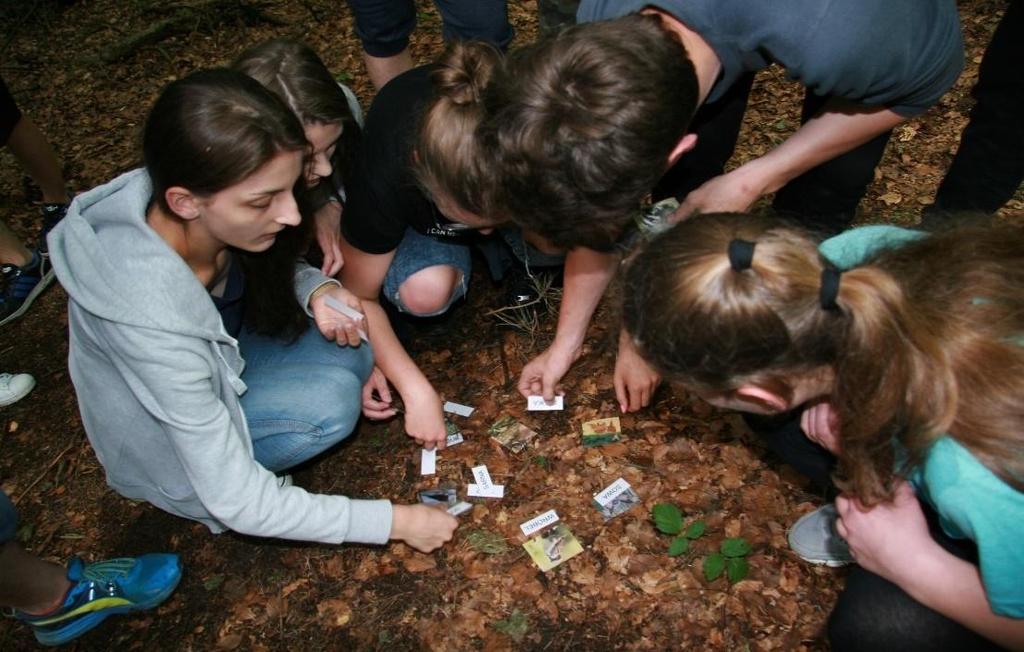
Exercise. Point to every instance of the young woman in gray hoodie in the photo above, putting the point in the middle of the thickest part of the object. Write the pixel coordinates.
(198, 372)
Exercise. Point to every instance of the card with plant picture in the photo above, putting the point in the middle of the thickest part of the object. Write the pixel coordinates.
(601, 432)
(511, 434)
(555, 545)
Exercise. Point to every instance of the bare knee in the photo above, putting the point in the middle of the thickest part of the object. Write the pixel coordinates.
(429, 290)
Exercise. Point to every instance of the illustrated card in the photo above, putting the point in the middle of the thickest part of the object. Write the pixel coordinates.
(615, 499)
(454, 435)
(511, 434)
(445, 496)
(553, 546)
(600, 432)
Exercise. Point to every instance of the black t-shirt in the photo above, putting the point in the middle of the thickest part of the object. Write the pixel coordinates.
(231, 303)
(383, 197)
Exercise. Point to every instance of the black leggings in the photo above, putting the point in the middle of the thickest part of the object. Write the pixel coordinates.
(873, 614)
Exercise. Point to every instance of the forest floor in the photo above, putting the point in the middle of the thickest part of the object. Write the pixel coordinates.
(63, 63)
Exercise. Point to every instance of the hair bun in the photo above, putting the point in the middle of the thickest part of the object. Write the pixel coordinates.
(464, 71)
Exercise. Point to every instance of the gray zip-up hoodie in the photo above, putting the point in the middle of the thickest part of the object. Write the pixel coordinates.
(158, 380)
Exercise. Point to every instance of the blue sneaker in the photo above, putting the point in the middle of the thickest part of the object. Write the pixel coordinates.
(21, 286)
(115, 586)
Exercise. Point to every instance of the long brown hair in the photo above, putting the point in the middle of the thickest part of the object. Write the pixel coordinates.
(926, 338)
(448, 157)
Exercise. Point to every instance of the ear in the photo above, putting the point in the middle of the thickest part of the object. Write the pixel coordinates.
(761, 396)
(685, 144)
(182, 202)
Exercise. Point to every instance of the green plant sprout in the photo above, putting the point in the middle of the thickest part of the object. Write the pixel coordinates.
(731, 558)
(669, 520)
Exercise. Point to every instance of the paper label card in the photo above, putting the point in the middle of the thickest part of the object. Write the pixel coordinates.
(492, 491)
(539, 522)
(457, 408)
(482, 477)
(348, 311)
(428, 461)
(460, 507)
(537, 403)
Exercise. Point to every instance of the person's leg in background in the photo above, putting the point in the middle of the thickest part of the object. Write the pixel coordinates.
(717, 125)
(303, 397)
(383, 27)
(21, 270)
(553, 15)
(482, 20)
(825, 198)
(988, 167)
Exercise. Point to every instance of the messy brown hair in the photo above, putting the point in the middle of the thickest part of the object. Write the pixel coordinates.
(581, 125)
(926, 338)
(448, 158)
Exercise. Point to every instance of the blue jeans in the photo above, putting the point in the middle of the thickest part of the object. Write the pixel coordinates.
(384, 26)
(417, 252)
(303, 397)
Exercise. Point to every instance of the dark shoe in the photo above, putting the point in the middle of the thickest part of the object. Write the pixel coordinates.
(21, 286)
(52, 215)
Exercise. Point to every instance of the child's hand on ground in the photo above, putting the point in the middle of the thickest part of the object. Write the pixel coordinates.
(332, 324)
(424, 528)
(424, 419)
(380, 406)
(889, 539)
(635, 380)
(732, 192)
(328, 236)
(541, 375)
(820, 423)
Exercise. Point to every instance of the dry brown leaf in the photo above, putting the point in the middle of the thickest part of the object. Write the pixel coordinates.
(335, 612)
(419, 563)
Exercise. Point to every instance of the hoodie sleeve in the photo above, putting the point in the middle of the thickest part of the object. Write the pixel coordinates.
(307, 280)
(174, 379)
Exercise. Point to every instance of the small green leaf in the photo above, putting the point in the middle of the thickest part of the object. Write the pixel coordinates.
(213, 582)
(714, 564)
(667, 518)
(678, 546)
(695, 530)
(737, 568)
(735, 547)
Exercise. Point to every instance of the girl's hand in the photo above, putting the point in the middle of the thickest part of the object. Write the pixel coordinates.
(379, 407)
(820, 423)
(424, 419)
(424, 528)
(889, 539)
(328, 235)
(541, 375)
(332, 324)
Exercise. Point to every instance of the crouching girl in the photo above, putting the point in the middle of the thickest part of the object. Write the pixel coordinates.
(198, 372)
(907, 354)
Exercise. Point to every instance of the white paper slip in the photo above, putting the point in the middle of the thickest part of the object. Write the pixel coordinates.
(460, 507)
(494, 491)
(482, 477)
(453, 439)
(458, 408)
(428, 461)
(349, 312)
(536, 403)
(539, 522)
(609, 493)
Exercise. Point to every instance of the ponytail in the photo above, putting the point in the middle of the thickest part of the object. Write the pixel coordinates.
(449, 160)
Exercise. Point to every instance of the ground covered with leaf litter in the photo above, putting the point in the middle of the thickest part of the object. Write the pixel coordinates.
(86, 72)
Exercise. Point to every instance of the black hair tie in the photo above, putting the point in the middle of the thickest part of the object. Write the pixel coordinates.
(829, 291)
(741, 254)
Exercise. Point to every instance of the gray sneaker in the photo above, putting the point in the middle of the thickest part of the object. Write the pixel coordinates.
(14, 387)
(815, 539)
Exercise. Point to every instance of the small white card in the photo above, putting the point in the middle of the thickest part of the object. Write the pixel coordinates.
(460, 507)
(428, 461)
(458, 408)
(494, 491)
(539, 522)
(610, 492)
(482, 477)
(536, 403)
(349, 312)
(453, 439)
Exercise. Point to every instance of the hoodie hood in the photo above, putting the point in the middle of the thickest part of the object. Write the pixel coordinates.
(116, 267)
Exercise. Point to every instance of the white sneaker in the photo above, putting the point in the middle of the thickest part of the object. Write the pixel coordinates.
(14, 387)
(815, 539)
